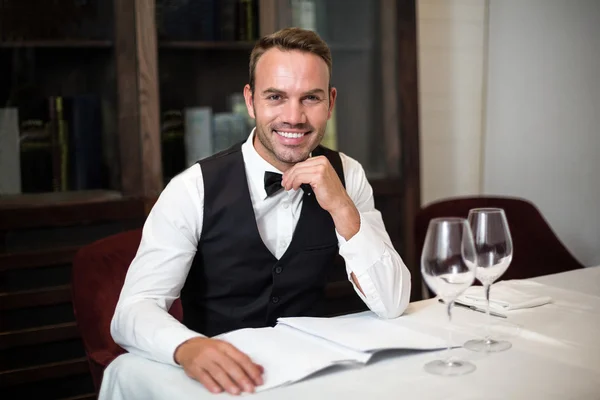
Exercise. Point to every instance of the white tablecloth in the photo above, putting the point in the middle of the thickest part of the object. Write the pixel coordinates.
(555, 355)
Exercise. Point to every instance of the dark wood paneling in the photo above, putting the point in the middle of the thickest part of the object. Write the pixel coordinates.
(409, 132)
(267, 10)
(389, 83)
(148, 94)
(74, 44)
(72, 210)
(195, 45)
(42, 372)
(137, 78)
(36, 258)
(34, 298)
(25, 318)
(43, 334)
(128, 122)
(33, 200)
(389, 194)
(66, 387)
(387, 187)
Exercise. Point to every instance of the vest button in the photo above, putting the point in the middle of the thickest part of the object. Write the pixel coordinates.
(278, 270)
(275, 299)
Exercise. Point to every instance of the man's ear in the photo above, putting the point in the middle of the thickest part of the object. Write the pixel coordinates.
(248, 96)
(332, 96)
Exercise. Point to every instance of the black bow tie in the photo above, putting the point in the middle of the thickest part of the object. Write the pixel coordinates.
(273, 184)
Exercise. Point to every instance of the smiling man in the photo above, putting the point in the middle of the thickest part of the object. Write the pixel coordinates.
(248, 235)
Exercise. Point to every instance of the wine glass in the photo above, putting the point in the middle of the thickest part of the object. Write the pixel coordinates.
(493, 251)
(448, 268)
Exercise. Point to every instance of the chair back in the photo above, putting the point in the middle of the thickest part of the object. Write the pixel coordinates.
(536, 248)
(98, 275)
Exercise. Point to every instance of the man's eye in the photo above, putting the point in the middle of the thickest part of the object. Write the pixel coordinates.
(274, 97)
(312, 98)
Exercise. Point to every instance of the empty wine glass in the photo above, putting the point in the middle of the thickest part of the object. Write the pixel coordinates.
(448, 268)
(493, 251)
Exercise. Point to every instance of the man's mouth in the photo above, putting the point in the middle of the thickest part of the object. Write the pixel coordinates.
(291, 135)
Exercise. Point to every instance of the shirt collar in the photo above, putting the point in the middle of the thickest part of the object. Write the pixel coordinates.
(256, 166)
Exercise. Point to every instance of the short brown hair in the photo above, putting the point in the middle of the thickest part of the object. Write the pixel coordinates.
(290, 39)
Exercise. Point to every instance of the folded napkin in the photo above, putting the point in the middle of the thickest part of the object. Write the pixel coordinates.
(504, 296)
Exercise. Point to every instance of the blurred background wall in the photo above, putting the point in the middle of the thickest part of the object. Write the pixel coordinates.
(510, 105)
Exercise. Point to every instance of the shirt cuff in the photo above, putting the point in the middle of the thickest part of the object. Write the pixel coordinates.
(362, 250)
(171, 338)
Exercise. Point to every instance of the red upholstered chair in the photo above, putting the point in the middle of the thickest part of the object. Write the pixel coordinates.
(99, 271)
(536, 248)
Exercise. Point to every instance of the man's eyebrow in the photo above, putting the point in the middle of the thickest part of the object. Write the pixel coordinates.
(272, 90)
(315, 91)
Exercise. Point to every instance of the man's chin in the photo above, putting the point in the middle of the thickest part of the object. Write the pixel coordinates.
(292, 158)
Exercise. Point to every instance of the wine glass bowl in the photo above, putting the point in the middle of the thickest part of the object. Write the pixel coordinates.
(448, 268)
(493, 254)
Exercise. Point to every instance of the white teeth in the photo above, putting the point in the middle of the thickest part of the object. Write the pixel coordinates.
(290, 135)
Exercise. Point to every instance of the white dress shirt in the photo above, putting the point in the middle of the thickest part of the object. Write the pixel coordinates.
(141, 323)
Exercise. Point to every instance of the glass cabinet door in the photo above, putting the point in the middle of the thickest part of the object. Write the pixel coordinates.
(57, 97)
(351, 29)
(373, 45)
(203, 53)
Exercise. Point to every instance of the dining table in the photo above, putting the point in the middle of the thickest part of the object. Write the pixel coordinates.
(555, 354)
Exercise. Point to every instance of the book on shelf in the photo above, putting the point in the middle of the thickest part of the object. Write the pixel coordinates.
(37, 155)
(311, 15)
(247, 20)
(173, 145)
(76, 133)
(10, 160)
(226, 21)
(207, 20)
(237, 105)
(198, 136)
(82, 146)
(229, 129)
(60, 144)
(301, 346)
(205, 132)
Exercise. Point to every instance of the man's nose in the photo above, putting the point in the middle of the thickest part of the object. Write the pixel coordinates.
(293, 113)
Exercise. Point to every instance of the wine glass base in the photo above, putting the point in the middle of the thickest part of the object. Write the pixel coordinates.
(449, 368)
(487, 345)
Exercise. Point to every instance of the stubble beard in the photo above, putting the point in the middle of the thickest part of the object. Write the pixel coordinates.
(266, 139)
(287, 157)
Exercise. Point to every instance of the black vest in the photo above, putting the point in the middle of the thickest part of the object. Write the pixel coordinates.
(234, 281)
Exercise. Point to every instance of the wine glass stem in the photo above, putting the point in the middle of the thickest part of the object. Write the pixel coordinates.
(487, 310)
(449, 344)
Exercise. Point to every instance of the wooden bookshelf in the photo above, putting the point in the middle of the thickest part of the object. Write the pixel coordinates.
(139, 73)
(68, 209)
(31, 200)
(56, 44)
(199, 45)
(38, 373)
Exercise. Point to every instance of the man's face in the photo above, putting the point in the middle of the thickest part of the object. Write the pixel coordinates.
(291, 105)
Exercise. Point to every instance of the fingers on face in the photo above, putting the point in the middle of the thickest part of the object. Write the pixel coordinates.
(310, 174)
